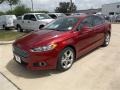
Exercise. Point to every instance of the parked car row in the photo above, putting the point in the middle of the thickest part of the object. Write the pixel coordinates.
(36, 21)
(32, 21)
(29, 21)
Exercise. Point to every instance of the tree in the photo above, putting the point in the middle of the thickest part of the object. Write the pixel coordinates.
(10, 2)
(1, 1)
(40, 11)
(19, 10)
(2, 13)
(66, 7)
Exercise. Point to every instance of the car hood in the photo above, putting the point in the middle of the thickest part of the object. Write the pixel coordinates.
(37, 38)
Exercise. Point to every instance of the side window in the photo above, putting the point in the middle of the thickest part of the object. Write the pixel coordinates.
(97, 21)
(86, 22)
(32, 17)
(26, 17)
(53, 16)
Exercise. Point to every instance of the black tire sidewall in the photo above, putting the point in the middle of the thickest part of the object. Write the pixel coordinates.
(19, 29)
(59, 67)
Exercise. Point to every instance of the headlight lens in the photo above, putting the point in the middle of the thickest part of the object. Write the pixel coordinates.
(44, 48)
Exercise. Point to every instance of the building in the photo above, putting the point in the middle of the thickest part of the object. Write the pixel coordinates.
(89, 11)
(111, 9)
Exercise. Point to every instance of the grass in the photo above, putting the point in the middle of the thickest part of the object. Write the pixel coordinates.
(9, 35)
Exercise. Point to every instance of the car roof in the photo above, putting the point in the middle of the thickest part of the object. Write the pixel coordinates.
(34, 13)
(78, 16)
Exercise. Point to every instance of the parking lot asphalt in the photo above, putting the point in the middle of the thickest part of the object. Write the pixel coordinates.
(98, 70)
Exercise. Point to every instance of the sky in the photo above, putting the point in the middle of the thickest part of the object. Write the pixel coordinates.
(50, 5)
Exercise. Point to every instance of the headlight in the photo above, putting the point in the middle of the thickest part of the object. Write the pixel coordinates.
(44, 48)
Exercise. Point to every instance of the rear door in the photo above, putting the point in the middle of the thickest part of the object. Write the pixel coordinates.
(25, 22)
(99, 27)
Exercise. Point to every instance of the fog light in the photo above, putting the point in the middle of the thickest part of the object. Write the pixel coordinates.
(40, 64)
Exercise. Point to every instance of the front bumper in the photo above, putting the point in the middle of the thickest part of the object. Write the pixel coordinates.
(36, 60)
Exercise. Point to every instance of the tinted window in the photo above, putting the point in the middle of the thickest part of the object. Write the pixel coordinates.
(53, 16)
(62, 24)
(32, 17)
(27, 17)
(86, 22)
(97, 20)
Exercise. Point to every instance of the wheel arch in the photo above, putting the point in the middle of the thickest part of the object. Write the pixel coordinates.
(71, 46)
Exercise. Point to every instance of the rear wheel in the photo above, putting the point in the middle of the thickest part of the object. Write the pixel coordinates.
(19, 28)
(106, 40)
(66, 59)
(4, 27)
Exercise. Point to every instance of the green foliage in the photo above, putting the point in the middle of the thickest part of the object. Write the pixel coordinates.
(2, 13)
(1, 1)
(9, 12)
(40, 11)
(10, 2)
(20, 10)
(66, 7)
(10, 35)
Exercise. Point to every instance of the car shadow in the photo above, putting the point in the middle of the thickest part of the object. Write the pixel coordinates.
(18, 70)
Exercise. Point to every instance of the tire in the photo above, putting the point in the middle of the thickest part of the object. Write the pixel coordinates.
(66, 59)
(19, 29)
(106, 40)
(4, 27)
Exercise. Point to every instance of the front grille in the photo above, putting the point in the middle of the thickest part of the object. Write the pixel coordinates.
(20, 52)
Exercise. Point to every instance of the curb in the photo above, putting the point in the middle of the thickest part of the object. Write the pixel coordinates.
(6, 42)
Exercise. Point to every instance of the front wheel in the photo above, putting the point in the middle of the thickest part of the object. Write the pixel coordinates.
(106, 40)
(66, 59)
(19, 29)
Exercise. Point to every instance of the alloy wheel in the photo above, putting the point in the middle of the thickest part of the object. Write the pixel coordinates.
(67, 59)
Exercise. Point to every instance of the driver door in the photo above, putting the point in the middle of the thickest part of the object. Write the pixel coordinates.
(85, 36)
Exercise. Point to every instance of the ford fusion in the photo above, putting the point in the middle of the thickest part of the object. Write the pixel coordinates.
(61, 42)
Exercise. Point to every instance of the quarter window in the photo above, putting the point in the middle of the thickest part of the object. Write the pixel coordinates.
(97, 21)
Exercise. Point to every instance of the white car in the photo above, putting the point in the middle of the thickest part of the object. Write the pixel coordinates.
(118, 18)
(32, 21)
(56, 15)
(6, 21)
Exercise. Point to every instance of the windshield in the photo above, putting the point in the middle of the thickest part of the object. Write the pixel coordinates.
(42, 16)
(61, 15)
(62, 24)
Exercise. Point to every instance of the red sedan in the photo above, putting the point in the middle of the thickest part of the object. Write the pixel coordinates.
(61, 42)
